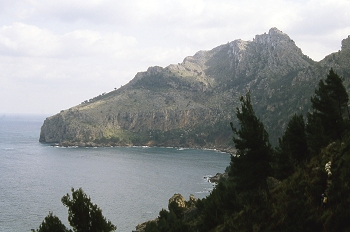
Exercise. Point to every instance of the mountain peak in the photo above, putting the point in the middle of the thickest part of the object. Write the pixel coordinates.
(178, 105)
(275, 31)
(345, 43)
(274, 37)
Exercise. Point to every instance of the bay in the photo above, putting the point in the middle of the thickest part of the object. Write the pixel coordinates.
(130, 184)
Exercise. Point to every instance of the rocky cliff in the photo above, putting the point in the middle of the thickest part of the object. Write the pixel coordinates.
(190, 104)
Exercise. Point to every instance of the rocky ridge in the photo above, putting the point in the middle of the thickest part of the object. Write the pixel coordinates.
(190, 104)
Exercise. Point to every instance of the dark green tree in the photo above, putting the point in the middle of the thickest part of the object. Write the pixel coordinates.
(338, 93)
(83, 215)
(329, 104)
(292, 149)
(169, 221)
(282, 161)
(251, 165)
(51, 223)
(315, 134)
(294, 139)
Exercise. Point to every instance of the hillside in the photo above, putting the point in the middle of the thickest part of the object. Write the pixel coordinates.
(301, 185)
(190, 104)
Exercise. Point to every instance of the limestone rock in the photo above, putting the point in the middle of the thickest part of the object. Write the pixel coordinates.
(179, 199)
(327, 168)
(218, 177)
(191, 104)
(191, 202)
(345, 43)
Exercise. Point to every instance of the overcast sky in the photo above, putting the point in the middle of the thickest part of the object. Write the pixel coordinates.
(56, 54)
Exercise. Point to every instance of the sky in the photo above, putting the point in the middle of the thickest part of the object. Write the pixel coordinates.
(56, 54)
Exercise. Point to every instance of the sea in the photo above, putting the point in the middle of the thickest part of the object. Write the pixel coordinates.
(129, 184)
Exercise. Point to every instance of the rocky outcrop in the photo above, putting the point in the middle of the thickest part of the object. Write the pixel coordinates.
(345, 43)
(178, 199)
(190, 104)
(189, 209)
(181, 201)
(219, 176)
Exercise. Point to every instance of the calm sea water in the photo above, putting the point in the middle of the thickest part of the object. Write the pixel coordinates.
(130, 184)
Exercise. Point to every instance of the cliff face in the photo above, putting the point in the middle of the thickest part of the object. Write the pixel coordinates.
(192, 103)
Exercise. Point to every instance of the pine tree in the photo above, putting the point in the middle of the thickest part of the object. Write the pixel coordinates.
(329, 106)
(295, 139)
(315, 134)
(51, 223)
(251, 165)
(338, 93)
(83, 215)
(292, 148)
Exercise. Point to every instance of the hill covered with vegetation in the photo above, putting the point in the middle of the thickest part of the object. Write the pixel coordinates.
(301, 185)
(191, 103)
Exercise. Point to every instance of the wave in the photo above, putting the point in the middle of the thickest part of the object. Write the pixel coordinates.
(207, 177)
(206, 190)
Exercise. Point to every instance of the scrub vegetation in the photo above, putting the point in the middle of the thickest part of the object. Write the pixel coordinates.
(301, 185)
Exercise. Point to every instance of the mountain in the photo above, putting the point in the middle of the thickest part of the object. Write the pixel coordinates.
(190, 104)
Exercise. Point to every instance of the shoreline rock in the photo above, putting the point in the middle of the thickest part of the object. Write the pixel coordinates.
(189, 206)
(215, 179)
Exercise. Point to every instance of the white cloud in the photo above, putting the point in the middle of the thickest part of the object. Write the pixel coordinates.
(94, 43)
(26, 40)
(66, 51)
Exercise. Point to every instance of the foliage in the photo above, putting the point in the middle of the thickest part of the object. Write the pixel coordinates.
(170, 221)
(339, 192)
(294, 139)
(251, 165)
(245, 201)
(294, 202)
(215, 207)
(51, 223)
(292, 149)
(316, 135)
(326, 122)
(83, 216)
(337, 92)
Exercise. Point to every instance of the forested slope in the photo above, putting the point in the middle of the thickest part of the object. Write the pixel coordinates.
(301, 185)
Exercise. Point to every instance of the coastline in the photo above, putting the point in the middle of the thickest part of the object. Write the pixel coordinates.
(228, 150)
